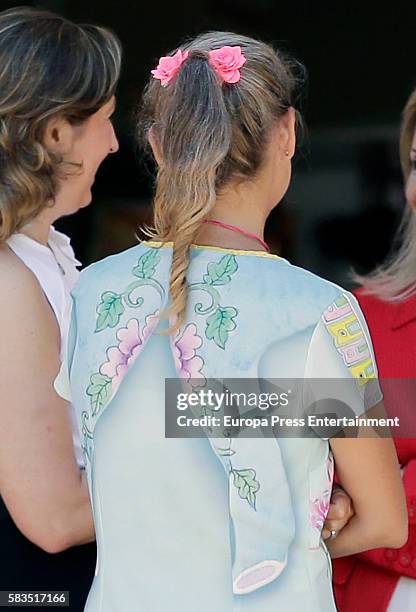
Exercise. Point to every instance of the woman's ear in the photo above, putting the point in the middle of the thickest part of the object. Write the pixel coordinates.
(288, 132)
(58, 135)
(155, 146)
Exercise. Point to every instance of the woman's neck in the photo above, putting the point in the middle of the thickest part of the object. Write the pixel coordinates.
(38, 229)
(247, 217)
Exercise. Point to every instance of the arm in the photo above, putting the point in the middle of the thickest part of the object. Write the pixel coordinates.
(368, 469)
(40, 482)
(400, 561)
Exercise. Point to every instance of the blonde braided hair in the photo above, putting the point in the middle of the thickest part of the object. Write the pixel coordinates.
(209, 133)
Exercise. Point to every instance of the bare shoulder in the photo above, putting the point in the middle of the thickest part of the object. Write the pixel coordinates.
(21, 296)
(15, 276)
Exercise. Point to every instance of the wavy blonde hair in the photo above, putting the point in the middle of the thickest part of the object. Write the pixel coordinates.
(395, 279)
(49, 67)
(209, 133)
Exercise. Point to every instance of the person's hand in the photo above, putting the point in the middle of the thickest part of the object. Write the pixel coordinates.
(339, 513)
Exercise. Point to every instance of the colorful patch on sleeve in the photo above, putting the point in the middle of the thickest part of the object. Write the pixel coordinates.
(349, 338)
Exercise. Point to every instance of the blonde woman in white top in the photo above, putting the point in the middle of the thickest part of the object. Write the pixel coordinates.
(57, 84)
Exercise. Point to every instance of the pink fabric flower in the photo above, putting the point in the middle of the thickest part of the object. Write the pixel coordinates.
(168, 67)
(227, 61)
(188, 364)
(131, 343)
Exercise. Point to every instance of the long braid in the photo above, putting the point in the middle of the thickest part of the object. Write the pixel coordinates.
(209, 133)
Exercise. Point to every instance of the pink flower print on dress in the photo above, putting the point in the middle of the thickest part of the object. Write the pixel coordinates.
(169, 66)
(330, 469)
(131, 343)
(319, 505)
(318, 510)
(227, 62)
(188, 364)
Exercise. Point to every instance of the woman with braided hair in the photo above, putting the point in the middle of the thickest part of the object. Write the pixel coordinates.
(219, 523)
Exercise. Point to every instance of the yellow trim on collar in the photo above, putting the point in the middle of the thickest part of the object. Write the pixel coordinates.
(155, 243)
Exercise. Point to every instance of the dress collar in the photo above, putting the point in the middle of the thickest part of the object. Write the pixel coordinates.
(63, 243)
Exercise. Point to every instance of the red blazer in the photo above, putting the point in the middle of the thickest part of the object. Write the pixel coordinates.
(366, 582)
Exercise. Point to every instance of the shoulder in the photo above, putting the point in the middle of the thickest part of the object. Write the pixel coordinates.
(22, 299)
(17, 281)
(288, 278)
(117, 266)
(310, 287)
(292, 297)
(119, 281)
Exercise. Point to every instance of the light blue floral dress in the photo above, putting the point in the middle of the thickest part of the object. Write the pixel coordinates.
(186, 524)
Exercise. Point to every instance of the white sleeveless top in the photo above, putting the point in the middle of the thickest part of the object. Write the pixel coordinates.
(55, 267)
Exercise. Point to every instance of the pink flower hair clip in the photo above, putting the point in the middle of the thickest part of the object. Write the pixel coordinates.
(226, 62)
(168, 67)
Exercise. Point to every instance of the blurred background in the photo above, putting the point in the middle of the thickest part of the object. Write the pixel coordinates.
(346, 195)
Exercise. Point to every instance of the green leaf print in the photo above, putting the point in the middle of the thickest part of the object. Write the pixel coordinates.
(247, 485)
(85, 430)
(146, 265)
(224, 452)
(220, 273)
(99, 391)
(109, 310)
(220, 323)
